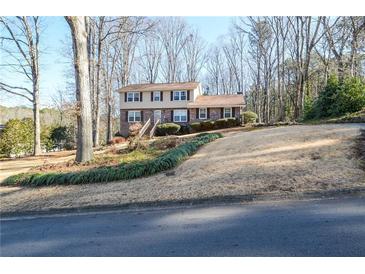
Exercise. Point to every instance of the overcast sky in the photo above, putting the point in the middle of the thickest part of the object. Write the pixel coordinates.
(53, 64)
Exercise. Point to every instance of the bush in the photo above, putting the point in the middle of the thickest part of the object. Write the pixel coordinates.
(249, 117)
(167, 129)
(195, 126)
(337, 98)
(233, 122)
(134, 129)
(17, 137)
(117, 140)
(63, 137)
(221, 123)
(165, 161)
(185, 129)
(206, 125)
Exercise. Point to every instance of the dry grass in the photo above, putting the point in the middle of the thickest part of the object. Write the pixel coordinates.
(295, 159)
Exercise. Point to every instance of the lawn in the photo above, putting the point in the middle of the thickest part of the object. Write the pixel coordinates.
(142, 162)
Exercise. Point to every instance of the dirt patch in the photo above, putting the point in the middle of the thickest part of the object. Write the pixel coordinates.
(270, 161)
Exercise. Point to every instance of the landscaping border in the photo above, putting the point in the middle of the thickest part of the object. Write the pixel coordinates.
(167, 160)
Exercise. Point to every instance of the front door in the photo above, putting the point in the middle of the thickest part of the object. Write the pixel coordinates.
(156, 115)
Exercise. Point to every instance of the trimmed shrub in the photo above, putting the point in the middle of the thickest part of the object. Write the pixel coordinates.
(249, 117)
(167, 129)
(195, 126)
(206, 125)
(221, 123)
(185, 129)
(165, 161)
(233, 122)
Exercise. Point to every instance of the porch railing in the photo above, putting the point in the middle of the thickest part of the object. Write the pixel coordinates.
(144, 128)
(152, 132)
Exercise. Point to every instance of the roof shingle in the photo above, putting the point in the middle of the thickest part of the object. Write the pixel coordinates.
(160, 87)
(217, 101)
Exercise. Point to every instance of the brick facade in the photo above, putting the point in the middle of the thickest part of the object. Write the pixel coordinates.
(166, 116)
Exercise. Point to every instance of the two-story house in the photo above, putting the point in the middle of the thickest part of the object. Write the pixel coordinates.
(174, 102)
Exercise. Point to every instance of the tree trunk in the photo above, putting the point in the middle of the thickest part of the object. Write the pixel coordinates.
(36, 120)
(78, 25)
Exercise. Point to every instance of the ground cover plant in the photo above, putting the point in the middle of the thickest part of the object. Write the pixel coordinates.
(165, 161)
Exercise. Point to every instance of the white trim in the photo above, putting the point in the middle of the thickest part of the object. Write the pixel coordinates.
(133, 97)
(179, 92)
(224, 113)
(157, 110)
(180, 121)
(159, 96)
(134, 116)
(206, 114)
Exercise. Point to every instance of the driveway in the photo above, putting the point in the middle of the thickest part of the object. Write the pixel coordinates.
(305, 228)
(290, 161)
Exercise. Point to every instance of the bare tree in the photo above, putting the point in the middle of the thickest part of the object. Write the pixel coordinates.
(79, 27)
(194, 56)
(149, 61)
(22, 35)
(172, 32)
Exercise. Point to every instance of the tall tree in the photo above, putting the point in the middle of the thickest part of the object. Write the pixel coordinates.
(22, 36)
(79, 27)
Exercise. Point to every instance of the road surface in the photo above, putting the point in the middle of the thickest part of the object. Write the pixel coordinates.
(334, 227)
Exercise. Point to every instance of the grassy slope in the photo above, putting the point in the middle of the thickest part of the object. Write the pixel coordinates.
(167, 160)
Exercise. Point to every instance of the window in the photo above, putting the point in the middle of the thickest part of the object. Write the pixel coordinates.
(180, 95)
(134, 116)
(180, 115)
(227, 112)
(133, 96)
(202, 113)
(157, 96)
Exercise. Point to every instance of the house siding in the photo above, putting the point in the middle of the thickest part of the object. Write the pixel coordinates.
(147, 103)
(214, 114)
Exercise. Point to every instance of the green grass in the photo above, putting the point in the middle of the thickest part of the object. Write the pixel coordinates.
(136, 169)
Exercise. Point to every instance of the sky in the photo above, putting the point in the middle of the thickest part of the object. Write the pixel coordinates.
(54, 65)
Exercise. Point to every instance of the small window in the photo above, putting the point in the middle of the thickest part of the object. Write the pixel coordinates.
(157, 96)
(180, 95)
(134, 116)
(227, 112)
(202, 113)
(133, 96)
(180, 115)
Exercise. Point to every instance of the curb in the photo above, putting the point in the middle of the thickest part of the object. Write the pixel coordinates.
(214, 200)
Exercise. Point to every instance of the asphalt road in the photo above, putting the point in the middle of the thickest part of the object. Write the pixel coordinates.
(303, 228)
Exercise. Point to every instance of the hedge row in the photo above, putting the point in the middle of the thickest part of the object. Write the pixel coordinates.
(217, 124)
(163, 162)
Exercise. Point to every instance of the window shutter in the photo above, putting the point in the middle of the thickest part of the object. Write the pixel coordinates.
(141, 115)
(161, 96)
(140, 96)
(222, 112)
(171, 96)
(172, 116)
(151, 96)
(208, 113)
(126, 116)
(233, 109)
(197, 113)
(188, 115)
(125, 97)
(188, 95)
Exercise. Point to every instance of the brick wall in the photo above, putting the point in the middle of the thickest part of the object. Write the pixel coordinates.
(166, 116)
